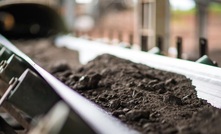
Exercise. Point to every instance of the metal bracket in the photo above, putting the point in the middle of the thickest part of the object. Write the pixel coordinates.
(32, 94)
(61, 120)
(5, 54)
(10, 109)
(13, 67)
(5, 127)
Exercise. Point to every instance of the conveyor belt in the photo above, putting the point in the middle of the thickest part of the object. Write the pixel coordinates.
(93, 118)
(207, 79)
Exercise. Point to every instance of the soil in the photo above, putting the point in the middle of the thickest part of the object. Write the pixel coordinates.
(43, 52)
(146, 99)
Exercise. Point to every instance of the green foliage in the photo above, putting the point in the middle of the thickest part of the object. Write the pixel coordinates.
(215, 8)
(177, 15)
(183, 12)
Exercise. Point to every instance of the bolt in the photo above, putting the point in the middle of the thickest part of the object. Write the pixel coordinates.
(13, 80)
(4, 65)
(1, 63)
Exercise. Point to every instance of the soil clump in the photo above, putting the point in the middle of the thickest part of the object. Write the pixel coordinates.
(146, 99)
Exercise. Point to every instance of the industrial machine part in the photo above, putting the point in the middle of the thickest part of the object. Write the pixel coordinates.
(28, 96)
(4, 54)
(61, 120)
(74, 102)
(153, 20)
(5, 127)
(198, 73)
(147, 26)
(32, 94)
(15, 114)
(13, 67)
(204, 58)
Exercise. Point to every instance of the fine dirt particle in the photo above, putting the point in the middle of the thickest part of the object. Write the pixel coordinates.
(146, 99)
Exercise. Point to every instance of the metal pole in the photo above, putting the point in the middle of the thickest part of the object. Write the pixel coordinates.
(201, 22)
(69, 13)
(162, 23)
(179, 44)
(144, 41)
(160, 43)
(147, 23)
(203, 47)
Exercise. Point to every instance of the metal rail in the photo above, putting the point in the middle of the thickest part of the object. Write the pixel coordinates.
(207, 79)
(84, 116)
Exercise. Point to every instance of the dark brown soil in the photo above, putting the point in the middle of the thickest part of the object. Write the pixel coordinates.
(43, 52)
(147, 99)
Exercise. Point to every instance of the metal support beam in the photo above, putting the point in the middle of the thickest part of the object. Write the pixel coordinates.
(146, 13)
(202, 17)
(69, 13)
(163, 22)
(202, 7)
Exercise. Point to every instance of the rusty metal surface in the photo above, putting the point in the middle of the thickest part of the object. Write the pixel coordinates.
(207, 79)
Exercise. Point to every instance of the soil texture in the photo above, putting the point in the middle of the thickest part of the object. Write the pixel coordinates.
(146, 99)
(43, 52)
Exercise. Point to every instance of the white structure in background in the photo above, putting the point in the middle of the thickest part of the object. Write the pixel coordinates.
(147, 21)
(84, 23)
(83, 1)
(182, 4)
(154, 18)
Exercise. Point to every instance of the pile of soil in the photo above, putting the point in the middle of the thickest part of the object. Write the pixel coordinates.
(146, 99)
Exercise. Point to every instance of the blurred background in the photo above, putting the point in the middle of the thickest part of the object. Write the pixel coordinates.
(183, 29)
(116, 21)
(188, 19)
